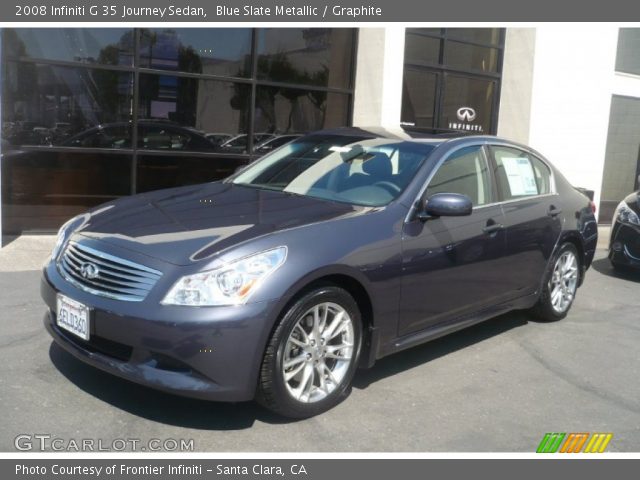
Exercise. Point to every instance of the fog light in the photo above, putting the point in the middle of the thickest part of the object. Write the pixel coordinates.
(616, 247)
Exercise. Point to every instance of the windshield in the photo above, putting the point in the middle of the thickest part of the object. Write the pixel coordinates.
(356, 170)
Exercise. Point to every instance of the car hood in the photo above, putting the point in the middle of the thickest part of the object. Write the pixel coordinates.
(190, 224)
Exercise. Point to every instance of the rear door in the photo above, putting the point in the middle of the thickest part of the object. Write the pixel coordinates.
(453, 265)
(531, 213)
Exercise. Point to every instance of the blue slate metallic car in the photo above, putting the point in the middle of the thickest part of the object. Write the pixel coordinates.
(330, 252)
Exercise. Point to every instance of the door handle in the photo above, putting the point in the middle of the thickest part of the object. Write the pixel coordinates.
(494, 227)
(553, 211)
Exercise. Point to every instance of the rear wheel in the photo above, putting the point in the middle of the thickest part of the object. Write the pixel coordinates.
(312, 356)
(560, 287)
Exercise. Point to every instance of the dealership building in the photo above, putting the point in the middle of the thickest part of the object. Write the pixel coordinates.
(93, 114)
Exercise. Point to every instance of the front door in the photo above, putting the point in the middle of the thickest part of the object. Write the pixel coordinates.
(453, 266)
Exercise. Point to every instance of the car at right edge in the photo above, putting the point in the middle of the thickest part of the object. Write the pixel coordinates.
(624, 244)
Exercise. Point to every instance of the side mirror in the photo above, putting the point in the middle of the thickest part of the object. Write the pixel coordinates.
(445, 205)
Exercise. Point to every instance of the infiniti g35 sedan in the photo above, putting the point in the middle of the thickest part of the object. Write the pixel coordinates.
(325, 255)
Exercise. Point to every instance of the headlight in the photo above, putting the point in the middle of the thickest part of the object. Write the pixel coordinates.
(230, 284)
(624, 214)
(65, 232)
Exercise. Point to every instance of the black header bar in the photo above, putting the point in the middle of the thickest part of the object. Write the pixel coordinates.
(83, 11)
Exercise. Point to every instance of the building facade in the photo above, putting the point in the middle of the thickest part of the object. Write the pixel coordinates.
(89, 115)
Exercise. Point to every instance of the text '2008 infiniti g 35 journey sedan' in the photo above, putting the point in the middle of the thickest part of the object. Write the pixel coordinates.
(335, 250)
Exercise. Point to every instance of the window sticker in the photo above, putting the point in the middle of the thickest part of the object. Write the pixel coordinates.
(522, 180)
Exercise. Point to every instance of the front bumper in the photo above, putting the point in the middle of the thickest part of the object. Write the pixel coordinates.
(624, 245)
(210, 353)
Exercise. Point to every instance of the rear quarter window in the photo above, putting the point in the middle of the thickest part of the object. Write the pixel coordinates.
(519, 174)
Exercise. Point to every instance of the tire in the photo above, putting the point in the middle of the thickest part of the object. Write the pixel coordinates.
(299, 390)
(557, 295)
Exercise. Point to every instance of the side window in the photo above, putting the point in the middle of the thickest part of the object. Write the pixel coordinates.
(519, 174)
(465, 172)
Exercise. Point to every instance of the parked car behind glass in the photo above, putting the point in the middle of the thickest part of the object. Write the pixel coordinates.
(333, 251)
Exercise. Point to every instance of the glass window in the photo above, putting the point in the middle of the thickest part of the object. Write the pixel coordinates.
(274, 142)
(288, 110)
(167, 171)
(467, 104)
(190, 94)
(542, 174)
(49, 105)
(103, 136)
(487, 36)
(339, 168)
(627, 59)
(177, 113)
(451, 78)
(470, 57)
(212, 51)
(107, 46)
(426, 31)
(160, 136)
(516, 175)
(464, 172)
(420, 49)
(309, 56)
(41, 189)
(418, 98)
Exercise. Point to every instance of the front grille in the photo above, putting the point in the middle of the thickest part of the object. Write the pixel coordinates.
(102, 274)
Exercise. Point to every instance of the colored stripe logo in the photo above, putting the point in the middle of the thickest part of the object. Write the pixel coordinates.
(574, 442)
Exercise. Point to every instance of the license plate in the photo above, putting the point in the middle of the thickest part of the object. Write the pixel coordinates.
(73, 316)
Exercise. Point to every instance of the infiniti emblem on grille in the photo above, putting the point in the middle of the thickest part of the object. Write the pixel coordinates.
(89, 270)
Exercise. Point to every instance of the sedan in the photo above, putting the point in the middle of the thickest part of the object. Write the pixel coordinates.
(333, 251)
(624, 243)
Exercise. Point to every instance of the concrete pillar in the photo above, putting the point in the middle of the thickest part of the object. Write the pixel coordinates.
(517, 84)
(378, 85)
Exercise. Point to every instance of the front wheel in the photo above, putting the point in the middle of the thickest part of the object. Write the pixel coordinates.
(560, 287)
(312, 356)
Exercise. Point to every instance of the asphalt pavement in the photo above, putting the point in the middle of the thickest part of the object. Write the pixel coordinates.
(498, 386)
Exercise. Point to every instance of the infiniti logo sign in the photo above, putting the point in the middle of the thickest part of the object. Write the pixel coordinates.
(89, 270)
(466, 114)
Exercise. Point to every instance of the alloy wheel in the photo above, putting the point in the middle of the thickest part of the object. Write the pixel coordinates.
(563, 282)
(318, 352)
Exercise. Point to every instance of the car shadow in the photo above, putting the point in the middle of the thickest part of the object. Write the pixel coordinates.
(156, 405)
(413, 357)
(603, 266)
(203, 415)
